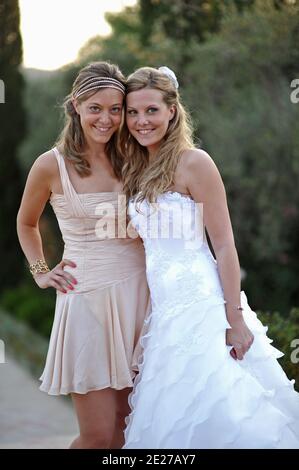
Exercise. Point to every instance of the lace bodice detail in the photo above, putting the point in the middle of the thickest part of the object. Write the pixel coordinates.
(179, 262)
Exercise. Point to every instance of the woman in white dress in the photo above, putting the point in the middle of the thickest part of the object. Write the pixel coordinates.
(209, 377)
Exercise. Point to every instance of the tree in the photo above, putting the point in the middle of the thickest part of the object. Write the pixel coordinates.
(185, 20)
(238, 90)
(12, 125)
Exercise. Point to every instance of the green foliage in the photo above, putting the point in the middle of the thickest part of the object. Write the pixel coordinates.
(23, 343)
(26, 302)
(123, 47)
(46, 119)
(31, 305)
(284, 330)
(185, 20)
(12, 126)
(247, 122)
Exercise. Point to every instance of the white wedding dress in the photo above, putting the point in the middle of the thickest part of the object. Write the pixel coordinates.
(190, 392)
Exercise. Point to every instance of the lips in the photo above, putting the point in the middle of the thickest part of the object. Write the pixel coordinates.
(144, 131)
(102, 129)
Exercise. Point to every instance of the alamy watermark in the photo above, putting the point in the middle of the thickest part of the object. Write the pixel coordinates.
(294, 96)
(2, 352)
(180, 220)
(2, 92)
(295, 353)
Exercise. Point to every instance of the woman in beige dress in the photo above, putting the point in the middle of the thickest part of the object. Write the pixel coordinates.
(102, 294)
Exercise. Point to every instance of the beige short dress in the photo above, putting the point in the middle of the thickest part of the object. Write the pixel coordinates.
(95, 336)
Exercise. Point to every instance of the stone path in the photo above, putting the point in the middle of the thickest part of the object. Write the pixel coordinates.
(29, 418)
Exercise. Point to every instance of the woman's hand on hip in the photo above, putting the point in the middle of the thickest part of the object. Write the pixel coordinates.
(57, 277)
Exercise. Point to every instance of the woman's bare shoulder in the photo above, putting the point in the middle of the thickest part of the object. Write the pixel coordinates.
(45, 165)
(46, 161)
(198, 161)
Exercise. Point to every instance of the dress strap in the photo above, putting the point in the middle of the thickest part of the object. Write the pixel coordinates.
(71, 196)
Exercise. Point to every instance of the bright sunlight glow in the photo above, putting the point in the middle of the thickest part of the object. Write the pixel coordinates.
(53, 31)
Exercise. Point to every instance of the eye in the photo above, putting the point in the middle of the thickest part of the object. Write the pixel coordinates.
(93, 108)
(152, 110)
(116, 109)
(131, 112)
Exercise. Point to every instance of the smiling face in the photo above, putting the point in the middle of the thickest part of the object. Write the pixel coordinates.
(100, 115)
(148, 117)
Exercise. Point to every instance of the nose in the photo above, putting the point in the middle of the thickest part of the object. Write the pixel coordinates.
(104, 117)
(142, 120)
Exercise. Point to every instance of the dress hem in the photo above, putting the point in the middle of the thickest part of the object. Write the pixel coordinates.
(79, 390)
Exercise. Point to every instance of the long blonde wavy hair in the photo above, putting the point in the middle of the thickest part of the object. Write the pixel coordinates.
(150, 179)
(71, 142)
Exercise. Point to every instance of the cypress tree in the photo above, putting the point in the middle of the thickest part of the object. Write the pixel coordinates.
(12, 131)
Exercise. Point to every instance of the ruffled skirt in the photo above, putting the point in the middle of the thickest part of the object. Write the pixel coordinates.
(192, 394)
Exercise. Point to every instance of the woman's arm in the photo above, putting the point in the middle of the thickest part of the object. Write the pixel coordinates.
(205, 185)
(35, 197)
(36, 194)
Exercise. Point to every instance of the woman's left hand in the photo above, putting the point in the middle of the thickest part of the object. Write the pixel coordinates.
(240, 338)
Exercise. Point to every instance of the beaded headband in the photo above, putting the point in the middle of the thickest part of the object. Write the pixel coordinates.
(94, 83)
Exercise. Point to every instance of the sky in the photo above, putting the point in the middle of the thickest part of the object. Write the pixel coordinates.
(53, 31)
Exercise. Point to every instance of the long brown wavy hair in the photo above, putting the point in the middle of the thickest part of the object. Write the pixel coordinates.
(71, 142)
(150, 179)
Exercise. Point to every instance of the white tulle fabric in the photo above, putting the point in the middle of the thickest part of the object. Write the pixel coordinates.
(190, 393)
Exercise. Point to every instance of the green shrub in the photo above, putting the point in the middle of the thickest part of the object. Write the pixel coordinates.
(23, 343)
(283, 330)
(33, 306)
